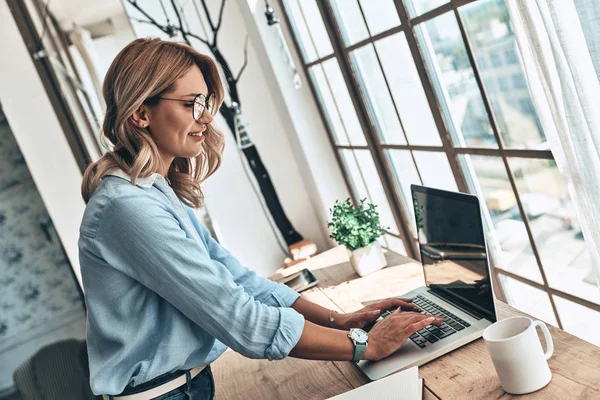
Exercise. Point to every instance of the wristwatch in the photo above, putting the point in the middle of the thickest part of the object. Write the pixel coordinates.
(360, 339)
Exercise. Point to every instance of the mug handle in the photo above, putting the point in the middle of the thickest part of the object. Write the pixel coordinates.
(547, 337)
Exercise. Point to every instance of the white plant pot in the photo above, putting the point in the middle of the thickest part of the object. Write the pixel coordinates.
(368, 259)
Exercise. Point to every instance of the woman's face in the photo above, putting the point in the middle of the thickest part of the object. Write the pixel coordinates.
(171, 123)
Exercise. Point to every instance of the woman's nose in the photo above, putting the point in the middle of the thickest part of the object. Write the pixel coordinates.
(206, 118)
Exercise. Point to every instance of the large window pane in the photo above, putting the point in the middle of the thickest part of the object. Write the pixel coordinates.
(446, 57)
(377, 95)
(579, 320)
(309, 28)
(507, 237)
(528, 299)
(327, 101)
(350, 20)
(407, 91)
(493, 42)
(342, 98)
(395, 244)
(336, 100)
(418, 7)
(555, 226)
(357, 181)
(405, 174)
(381, 15)
(435, 170)
(367, 166)
(368, 184)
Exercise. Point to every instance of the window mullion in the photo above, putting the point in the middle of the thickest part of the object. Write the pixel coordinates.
(315, 94)
(511, 178)
(431, 97)
(383, 169)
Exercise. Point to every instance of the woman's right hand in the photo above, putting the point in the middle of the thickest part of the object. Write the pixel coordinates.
(388, 335)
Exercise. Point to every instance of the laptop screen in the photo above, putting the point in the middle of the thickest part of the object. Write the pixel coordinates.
(453, 250)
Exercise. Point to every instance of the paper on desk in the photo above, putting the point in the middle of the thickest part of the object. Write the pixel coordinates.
(404, 385)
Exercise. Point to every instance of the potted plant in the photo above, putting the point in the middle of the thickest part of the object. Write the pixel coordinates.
(357, 228)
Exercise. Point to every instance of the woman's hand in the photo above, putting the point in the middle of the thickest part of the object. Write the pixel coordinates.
(388, 335)
(318, 342)
(365, 316)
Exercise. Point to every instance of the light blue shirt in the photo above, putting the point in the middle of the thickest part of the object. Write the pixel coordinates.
(163, 295)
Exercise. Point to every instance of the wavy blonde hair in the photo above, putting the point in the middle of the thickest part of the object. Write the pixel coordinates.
(144, 70)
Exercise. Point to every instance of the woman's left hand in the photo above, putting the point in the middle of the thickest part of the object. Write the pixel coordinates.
(364, 316)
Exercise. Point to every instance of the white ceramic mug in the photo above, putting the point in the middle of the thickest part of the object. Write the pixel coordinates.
(517, 354)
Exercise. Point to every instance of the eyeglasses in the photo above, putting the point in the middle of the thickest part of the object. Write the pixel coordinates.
(199, 104)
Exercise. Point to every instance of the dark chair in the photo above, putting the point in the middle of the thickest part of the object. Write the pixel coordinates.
(58, 371)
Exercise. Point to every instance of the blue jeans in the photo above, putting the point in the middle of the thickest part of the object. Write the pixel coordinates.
(202, 387)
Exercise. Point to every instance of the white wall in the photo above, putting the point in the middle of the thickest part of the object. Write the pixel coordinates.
(297, 109)
(234, 208)
(107, 47)
(40, 136)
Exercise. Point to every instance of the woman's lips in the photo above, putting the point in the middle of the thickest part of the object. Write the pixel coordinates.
(198, 133)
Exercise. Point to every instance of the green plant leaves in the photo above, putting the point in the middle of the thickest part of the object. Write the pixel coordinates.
(355, 226)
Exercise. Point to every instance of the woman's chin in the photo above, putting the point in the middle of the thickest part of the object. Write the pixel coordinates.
(193, 153)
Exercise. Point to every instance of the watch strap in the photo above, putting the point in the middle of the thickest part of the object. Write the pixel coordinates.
(359, 351)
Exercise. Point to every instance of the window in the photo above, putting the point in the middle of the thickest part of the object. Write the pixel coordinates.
(504, 83)
(527, 106)
(510, 55)
(77, 108)
(496, 59)
(445, 103)
(519, 81)
(483, 63)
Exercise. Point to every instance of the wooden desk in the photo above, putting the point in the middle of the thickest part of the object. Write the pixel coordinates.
(466, 373)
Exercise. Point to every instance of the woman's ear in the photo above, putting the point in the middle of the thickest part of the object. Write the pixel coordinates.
(141, 117)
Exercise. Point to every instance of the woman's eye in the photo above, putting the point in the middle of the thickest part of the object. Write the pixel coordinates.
(189, 105)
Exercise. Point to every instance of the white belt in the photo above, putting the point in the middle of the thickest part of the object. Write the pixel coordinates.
(159, 390)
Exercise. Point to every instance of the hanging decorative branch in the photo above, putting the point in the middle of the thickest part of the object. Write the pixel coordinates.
(232, 111)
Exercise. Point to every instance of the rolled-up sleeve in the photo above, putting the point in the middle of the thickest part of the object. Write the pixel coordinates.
(262, 289)
(285, 338)
(143, 239)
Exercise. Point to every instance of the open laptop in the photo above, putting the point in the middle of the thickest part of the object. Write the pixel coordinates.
(457, 275)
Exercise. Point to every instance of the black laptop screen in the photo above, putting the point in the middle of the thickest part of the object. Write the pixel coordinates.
(453, 248)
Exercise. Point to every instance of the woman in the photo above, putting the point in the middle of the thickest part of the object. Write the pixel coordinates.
(164, 299)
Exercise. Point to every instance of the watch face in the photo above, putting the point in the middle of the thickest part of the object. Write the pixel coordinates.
(359, 335)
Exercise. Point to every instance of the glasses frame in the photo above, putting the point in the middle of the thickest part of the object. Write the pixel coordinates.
(196, 101)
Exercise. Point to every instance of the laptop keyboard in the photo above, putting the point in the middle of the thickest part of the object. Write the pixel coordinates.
(433, 333)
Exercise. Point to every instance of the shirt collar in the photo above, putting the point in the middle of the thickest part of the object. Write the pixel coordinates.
(145, 182)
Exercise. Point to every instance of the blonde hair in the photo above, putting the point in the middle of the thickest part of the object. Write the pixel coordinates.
(144, 70)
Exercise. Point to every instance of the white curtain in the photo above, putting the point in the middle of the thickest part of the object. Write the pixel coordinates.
(566, 94)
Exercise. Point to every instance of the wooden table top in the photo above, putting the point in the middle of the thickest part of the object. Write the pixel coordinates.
(465, 373)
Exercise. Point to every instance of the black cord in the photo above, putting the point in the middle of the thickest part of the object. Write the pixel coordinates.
(253, 184)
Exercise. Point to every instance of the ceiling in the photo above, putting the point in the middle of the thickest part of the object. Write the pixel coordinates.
(86, 12)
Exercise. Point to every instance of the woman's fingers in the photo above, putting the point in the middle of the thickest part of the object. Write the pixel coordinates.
(409, 323)
(418, 325)
(436, 320)
(407, 318)
(388, 335)
(399, 322)
(365, 317)
(395, 302)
